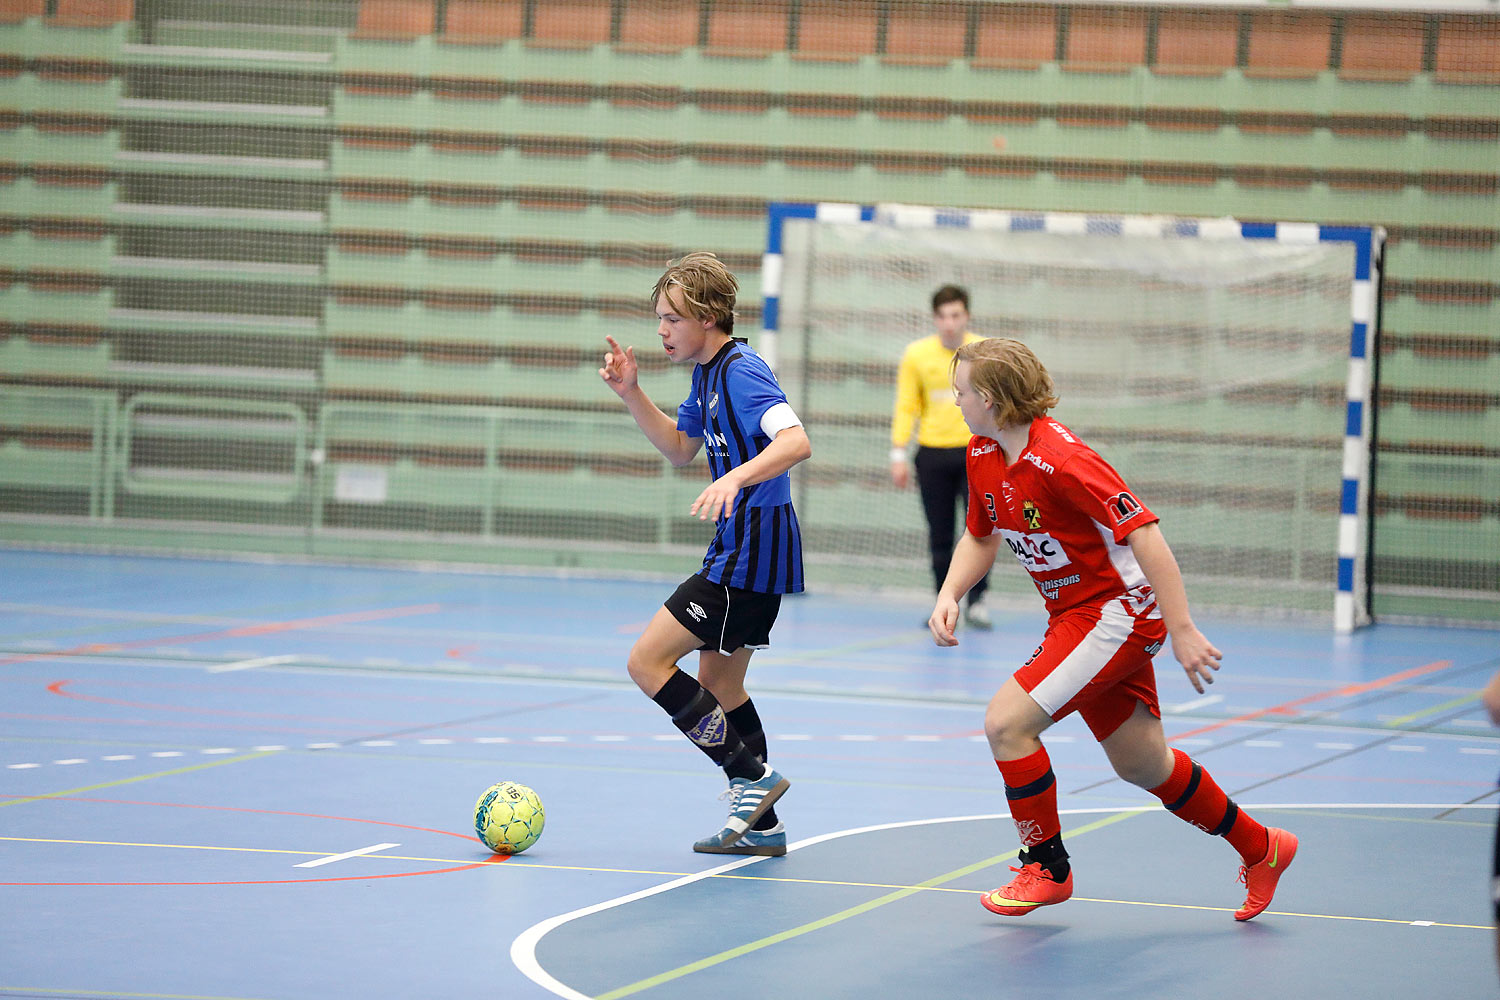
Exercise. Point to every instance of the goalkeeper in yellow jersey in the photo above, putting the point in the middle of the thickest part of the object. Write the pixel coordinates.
(924, 398)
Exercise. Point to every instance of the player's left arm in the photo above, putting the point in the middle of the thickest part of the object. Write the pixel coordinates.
(787, 448)
(1197, 655)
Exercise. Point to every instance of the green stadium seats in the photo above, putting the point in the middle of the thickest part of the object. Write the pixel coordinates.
(1464, 368)
(84, 304)
(62, 248)
(405, 56)
(85, 147)
(508, 178)
(86, 362)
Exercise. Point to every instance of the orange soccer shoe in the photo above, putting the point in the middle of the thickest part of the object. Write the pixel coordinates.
(1033, 886)
(1261, 878)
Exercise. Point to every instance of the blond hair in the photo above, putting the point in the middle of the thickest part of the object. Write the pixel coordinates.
(699, 286)
(1005, 372)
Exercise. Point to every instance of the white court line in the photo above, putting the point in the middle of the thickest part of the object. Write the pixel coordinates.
(523, 948)
(259, 661)
(347, 854)
(1196, 703)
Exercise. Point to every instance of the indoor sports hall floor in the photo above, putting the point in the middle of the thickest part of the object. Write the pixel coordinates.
(249, 780)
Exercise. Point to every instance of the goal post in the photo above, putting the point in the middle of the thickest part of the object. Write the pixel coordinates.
(1226, 368)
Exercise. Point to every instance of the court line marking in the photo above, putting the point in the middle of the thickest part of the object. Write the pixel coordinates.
(240, 631)
(259, 661)
(29, 990)
(357, 852)
(1402, 720)
(842, 915)
(1287, 707)
(523, 948)
(127, 781)
(841, 883)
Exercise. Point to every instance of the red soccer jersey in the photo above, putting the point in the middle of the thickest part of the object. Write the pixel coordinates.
(1064, 513)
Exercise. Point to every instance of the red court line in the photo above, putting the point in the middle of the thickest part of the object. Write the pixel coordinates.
(264, 628)
(1288, 707)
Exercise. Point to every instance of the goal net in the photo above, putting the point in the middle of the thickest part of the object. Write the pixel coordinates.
(1219, 366)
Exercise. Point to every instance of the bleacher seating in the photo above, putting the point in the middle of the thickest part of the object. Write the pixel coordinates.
(486, 182)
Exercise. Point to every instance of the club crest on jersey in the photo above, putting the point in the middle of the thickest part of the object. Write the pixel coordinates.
(1031, 515)
(1123, 506)
(713, 402)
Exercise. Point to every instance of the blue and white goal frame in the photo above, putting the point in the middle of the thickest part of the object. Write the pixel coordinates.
(1352, 597)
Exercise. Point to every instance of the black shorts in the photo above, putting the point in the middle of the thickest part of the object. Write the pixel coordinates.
(725, 618)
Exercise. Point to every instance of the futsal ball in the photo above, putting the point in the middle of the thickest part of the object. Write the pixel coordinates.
(509, 817)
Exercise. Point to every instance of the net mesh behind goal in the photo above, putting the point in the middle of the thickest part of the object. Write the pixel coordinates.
(1211, 372)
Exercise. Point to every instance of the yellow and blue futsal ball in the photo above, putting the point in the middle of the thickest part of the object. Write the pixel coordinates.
(509, 817)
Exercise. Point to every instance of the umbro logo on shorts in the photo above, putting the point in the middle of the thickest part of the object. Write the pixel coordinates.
(696, 610)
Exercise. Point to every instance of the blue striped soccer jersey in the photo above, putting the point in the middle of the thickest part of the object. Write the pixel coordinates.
(759, 546)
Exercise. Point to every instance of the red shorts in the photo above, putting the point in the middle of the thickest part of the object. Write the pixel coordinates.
(1095, 661)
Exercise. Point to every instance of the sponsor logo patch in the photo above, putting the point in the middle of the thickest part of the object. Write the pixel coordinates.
(1032, 457)
(1037, 551)
(1123, 506)
(1051, 588)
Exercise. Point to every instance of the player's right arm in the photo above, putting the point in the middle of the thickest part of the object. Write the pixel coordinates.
(972, 559)
(622, 375)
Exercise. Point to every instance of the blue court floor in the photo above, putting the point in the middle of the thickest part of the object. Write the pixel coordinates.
(255, 780)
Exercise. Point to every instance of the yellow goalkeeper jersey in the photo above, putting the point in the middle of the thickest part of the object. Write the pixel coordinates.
(924, 396)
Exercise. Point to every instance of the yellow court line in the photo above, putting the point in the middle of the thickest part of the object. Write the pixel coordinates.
(319, 854)
(1285, 913)
(139, 777)
(1402, 720)
(899, 891)
(833, 918)
(29, 990)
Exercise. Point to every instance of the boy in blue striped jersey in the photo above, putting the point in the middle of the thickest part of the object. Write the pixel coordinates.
(725, 610)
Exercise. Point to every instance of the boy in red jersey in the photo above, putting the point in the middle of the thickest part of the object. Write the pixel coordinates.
(1114, 595)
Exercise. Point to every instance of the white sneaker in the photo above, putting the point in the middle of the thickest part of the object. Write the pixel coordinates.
(978, 617)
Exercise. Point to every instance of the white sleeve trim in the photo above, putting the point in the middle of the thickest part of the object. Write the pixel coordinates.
(777, 419)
